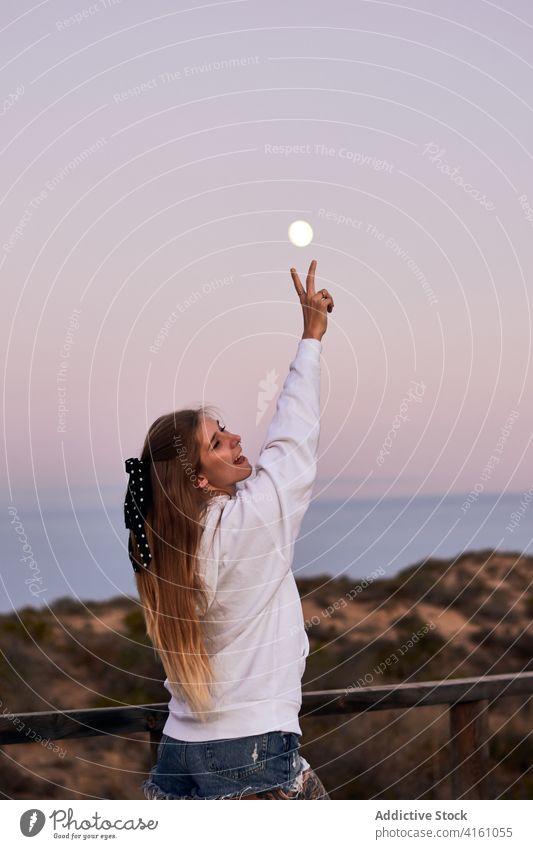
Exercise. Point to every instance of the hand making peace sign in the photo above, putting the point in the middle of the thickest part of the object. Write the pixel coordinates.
(314, 304)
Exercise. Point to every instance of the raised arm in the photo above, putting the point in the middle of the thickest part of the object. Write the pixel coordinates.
(271, 504)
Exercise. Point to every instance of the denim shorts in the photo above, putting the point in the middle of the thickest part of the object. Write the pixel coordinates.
(224, 769)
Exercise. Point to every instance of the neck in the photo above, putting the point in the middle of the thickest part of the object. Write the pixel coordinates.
(231, 490)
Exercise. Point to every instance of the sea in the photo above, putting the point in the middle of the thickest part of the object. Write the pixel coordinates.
(52, 551)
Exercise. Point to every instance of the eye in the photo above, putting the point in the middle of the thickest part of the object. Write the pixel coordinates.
(221, 427)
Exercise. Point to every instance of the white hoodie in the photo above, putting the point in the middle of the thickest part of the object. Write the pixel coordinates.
(255, 626)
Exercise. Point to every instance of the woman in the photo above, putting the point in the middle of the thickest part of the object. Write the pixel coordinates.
(211, 541)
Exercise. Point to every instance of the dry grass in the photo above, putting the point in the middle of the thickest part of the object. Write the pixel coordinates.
(97, 654)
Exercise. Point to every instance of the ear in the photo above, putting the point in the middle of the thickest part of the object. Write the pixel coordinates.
(202, 482)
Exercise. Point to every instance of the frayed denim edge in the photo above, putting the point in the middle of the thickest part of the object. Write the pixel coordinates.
(153, 791)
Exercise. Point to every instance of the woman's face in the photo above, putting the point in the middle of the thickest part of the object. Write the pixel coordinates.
(219, 448)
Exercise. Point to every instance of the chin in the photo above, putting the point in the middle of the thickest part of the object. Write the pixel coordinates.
(246, 471)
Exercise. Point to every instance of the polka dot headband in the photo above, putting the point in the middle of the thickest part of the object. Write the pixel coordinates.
(136, 506)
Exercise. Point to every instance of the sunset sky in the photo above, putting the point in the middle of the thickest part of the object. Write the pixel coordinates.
(153, 160)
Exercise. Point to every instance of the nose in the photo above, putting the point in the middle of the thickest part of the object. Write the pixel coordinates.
(235, 439)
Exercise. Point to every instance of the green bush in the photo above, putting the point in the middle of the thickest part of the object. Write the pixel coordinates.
(135, 625)
(9, 626)
(33, 626)
(67, 604)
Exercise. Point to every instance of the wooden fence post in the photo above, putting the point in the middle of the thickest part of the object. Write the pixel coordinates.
(155, 739)
(469, 749)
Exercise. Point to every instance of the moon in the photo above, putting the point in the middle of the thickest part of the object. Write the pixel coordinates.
(300, 233)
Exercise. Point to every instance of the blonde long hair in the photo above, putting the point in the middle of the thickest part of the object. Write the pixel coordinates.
(172, 592)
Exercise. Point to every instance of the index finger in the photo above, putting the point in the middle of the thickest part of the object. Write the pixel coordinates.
(310, 281)
(297, 283)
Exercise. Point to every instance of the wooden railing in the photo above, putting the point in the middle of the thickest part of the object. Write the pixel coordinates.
(468, 700)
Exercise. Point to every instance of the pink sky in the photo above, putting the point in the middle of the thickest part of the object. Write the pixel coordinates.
(152, 162)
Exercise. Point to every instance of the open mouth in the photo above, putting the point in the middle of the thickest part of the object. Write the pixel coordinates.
(239, 461)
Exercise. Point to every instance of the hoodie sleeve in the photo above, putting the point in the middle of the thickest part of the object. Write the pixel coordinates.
(270, 504)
